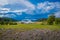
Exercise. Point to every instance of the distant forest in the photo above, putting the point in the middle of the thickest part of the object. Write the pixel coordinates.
(6, 21)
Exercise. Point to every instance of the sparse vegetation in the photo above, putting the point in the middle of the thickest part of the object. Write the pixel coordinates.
(6, 21)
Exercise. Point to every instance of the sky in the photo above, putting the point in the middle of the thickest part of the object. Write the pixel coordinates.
(29, 9)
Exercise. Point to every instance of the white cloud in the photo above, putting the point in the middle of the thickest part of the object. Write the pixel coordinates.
(42, 7)
(57, 14)
(9, 15)
(24, 10)
(29, 6)
(1, 15)
(47, 6)
(26, 3)
(23, 2)
(29, 11)
(4, 10)
(19, 12)
(3, 2)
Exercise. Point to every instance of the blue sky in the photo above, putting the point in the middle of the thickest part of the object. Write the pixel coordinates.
(29, 9)
(38, 1)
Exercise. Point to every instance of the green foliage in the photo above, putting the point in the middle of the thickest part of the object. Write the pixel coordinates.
(2, 23)
(12, 23)
(6, 21)
(57, 21)
(51, 19)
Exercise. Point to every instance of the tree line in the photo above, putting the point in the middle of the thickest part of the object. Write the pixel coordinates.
(6, 21)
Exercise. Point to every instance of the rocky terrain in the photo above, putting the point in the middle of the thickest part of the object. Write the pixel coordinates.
(36, 34)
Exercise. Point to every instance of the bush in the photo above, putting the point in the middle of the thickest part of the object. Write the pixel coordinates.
(51, 20)
(2, 23)
(57, 21)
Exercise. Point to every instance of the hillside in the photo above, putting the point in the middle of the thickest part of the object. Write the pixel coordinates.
(5, 19)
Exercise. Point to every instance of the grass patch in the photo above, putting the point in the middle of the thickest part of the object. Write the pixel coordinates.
(30, 26)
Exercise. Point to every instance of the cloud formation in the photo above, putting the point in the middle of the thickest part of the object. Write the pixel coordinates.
(23, 2)
(29, 7)
(3, 2)
(4, 10)
(46, 7)
(42, 7)
(9, 15)
(19, 12)
(7, 10)
(57, 14)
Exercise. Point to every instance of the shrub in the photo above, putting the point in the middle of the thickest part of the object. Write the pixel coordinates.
(12, 23)
(51, 20)
(2, 23)
(57, 21)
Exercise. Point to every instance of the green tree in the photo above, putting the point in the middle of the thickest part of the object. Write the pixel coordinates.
(51, 19)
(57, 21)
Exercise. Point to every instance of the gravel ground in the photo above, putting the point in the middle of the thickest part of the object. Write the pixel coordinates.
(36, 34)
